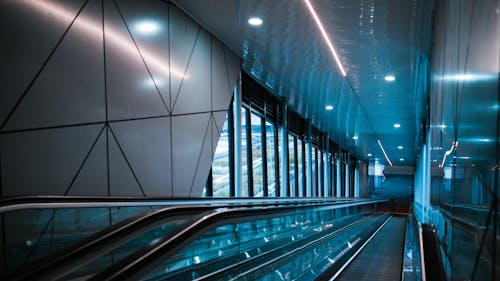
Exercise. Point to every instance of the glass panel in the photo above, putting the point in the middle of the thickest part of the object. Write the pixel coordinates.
(300, 167)
(220, 165)
(280, 153)
(239, 247)
(291, 164)
(257, 150)
(244, 154)
(271, 159)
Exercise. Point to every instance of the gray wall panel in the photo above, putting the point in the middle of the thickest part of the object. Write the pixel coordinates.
(188, 135)
(122, 181)
(23, 25)
(130, 88)
(151, 35)
(184, 33)
(204, 163)
(147, 146)
(93, 178)
(194, 94)
(74, 76)
(45, 166)
(122, 83)
(221, 91)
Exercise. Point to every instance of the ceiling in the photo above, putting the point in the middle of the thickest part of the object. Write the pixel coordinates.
(374, 38)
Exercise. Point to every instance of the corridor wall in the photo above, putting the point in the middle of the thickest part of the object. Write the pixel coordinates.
(109, 98)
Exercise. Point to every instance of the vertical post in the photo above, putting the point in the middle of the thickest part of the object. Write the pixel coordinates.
(339, 171)
(284, 150)
(347, 177)
(237, 137)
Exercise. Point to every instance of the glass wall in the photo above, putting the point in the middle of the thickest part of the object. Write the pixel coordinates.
(457, 180)
(261, 151)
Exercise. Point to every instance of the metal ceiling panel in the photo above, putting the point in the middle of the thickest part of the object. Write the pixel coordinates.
(374, 38)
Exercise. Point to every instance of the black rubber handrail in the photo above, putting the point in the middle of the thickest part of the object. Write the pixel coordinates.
(434, 269)
(77, 255)
(49, 202)
(141, 262)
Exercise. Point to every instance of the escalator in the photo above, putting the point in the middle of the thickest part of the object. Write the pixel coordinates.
(382, 258)
(228, 237)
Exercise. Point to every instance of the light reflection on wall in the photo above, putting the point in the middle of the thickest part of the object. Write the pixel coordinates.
(112, 36)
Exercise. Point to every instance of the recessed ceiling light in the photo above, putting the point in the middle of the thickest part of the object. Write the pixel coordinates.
(355, 137)
(255, 21)
(400, 147)
(147, 27)
(329, 107)
(397, 125)
(401, 159)
(369, 155)
(389, 78)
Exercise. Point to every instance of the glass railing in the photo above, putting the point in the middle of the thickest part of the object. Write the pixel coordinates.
(34, 233)
(233, 250)
(412, 265)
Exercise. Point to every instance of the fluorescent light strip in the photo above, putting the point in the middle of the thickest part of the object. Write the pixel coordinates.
(385, 154)
(325, 36)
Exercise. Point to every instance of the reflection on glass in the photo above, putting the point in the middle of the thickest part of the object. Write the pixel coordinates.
(244, 154)
(220, 164)
(257, 150)
(300, 167)
(291, 164)
(271, 159)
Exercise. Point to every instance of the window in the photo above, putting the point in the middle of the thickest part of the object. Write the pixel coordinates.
(257, 152)
(272, 158)
(291, 166)
(244, 154)
(220, 165)
(300, 168)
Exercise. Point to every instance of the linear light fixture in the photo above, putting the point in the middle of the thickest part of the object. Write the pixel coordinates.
(385, 154)
(325, 36)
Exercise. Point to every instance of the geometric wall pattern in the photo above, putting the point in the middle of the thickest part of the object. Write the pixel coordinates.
(109, 98)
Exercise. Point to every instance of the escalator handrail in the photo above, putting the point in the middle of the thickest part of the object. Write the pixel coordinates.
(432, 263)
(75, 256)
(52, 202)
(150, 256)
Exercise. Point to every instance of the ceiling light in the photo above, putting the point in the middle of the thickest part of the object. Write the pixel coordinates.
(355, 137)
(369, 155)
(389, 78)
(255, 21)
(397, 125)
(400, 147)
(325, 36)
(401, 159)
(329, 107)
(147, 27)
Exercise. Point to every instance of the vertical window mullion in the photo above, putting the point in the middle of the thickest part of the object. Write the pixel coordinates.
(232, 190)
(304, 170)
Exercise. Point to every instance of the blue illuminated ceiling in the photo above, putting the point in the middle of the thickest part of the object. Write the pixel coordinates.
(288, 55)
